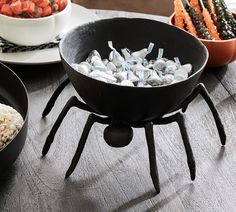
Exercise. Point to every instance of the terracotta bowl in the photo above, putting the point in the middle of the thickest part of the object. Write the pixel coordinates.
(220, 52)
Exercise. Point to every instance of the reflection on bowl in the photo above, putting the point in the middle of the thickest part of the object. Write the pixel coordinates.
(221, 52)
(15, 95)
(34, 31)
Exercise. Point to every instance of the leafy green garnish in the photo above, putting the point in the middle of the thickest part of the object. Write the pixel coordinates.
(24, 15)
(55, 8)
(36, 10)
(52, 1)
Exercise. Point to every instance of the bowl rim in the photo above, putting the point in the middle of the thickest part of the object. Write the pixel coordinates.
(27, 109)
(130, 87)
(201, 39)
(40, 18)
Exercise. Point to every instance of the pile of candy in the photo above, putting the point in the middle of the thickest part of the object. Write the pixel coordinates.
(206, 19)
(31, 8)
(132, 69)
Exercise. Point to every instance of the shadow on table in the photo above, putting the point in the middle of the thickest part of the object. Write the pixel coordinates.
(211, 77)
(7, 176)
(77, 199)
(152, 194)
(163, 202)
(219, 72)
(7, 179)
(39, 76)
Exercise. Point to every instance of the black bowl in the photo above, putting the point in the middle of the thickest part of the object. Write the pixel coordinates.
(13, 93)
(131, 103)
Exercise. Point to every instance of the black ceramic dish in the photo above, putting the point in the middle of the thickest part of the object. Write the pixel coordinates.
(13, 93)
(129, 103)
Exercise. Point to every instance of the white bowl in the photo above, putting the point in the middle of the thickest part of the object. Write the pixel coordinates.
(34, 31)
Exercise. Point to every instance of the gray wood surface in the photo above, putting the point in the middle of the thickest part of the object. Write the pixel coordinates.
(109, 179)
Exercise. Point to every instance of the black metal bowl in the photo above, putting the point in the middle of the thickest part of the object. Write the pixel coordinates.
(13, 93)
(131, 103)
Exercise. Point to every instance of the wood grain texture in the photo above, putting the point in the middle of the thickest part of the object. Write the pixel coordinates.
(109, 179)
(157, 7)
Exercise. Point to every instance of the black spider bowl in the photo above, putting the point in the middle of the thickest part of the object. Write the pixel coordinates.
(125, 103)
(14, 94)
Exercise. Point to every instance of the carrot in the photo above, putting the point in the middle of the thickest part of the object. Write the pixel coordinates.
(210, 24)
(212, 11)
(182, 15)
(196, 6)
(188, 22)
(179, 20)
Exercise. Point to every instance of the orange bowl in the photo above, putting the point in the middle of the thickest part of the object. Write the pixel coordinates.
(221, 52)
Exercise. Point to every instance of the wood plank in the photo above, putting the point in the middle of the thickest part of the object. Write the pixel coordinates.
(227, 75)
(152, 6)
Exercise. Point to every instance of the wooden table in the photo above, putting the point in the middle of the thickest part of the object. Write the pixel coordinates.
(109, 179)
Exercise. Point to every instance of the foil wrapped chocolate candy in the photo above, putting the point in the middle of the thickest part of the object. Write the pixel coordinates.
(133, 69)
(91, 55)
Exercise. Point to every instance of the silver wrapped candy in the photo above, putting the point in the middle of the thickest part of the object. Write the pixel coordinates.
(143, 52)
(100, 74)
(140, 84)
(109, 72)
(127, 83)
(101, 79)
(133, 69)
(168, 79)
(170, 68)
(159, 65)
(98, 65)
(82, 67)
(142, 72)
(188, 67)
(154, 79)
(115, 56)
(111, 67)
(181, 74)
(105, 61)
(92, 54)
(120, 76)
(88, 66)
(132, 77)
(126, 53)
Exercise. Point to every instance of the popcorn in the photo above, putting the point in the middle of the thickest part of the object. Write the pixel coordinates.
(10, 124)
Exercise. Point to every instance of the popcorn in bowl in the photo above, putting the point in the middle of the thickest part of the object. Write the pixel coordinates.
(10, 124)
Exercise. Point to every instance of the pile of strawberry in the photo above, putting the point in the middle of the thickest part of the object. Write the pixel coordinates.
(31, 8)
